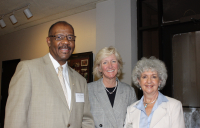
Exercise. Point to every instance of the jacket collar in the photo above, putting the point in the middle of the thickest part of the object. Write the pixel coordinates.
(72, 80)
(54, 82)
(101, 95)
(160, 112)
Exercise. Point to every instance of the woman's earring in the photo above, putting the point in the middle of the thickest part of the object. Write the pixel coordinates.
(158, 87)
(140, 88)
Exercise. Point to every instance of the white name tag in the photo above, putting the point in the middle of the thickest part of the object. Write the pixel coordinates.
(79, 97)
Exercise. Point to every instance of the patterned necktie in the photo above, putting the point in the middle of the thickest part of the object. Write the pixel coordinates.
(60, 76)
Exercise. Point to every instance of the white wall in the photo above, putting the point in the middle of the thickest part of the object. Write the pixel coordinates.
(105, 25)
(114, 28)
(31, 42)
(112, 23)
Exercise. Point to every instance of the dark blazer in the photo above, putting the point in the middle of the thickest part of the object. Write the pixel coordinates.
(103, 113)
(36, 98)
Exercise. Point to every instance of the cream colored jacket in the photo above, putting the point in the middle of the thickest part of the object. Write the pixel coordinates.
(36, 98)
(167, 115)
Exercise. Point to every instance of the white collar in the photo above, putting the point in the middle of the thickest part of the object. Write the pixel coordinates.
(56, 64)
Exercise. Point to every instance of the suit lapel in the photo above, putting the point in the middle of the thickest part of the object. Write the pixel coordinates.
(118, 102)
(71, 82)
(158, 114)
(135, 116)
(52, 78)
(104, 101)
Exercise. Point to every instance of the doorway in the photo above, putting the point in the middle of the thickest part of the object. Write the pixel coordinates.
(181, 53)
(8, 70)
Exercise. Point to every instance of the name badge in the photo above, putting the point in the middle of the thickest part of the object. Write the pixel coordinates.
(79, 97)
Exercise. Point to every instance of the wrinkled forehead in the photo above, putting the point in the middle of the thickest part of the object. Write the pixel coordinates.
(106, 55)
(61, 27)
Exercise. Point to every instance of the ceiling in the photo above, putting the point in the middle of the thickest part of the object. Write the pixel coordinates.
(42, 10)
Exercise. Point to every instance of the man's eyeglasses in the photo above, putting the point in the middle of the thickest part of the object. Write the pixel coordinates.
(62, 37)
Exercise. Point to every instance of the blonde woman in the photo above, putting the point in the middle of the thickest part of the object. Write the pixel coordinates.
(109, 98)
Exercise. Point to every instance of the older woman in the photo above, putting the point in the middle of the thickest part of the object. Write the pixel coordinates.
(153, 110)
(109, 98)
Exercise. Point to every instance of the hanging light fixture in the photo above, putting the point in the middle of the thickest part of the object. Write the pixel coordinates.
(28, 12)
(13, 19)
(2, 23)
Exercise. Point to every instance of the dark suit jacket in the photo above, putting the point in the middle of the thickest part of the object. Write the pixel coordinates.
(103, 113)
(36, 98)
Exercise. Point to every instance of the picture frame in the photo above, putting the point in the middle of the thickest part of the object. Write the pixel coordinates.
(83, 64)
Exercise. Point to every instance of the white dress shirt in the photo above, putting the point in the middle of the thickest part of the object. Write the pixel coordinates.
(65, 75)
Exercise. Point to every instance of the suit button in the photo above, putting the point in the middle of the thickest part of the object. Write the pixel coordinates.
(100, 125)
(68, 125)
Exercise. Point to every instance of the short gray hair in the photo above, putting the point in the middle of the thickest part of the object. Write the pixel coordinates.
(103, 53)
(152, 64)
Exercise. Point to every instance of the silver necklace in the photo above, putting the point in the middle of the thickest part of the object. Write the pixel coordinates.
(149, 103)
(113, 90)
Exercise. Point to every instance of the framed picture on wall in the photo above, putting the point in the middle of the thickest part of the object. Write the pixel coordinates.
(83, 64)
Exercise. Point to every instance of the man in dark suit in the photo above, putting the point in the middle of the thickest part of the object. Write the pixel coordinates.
(45, 92)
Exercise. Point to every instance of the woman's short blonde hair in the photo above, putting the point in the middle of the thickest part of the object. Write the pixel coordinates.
(152, 64)
(103, 53)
